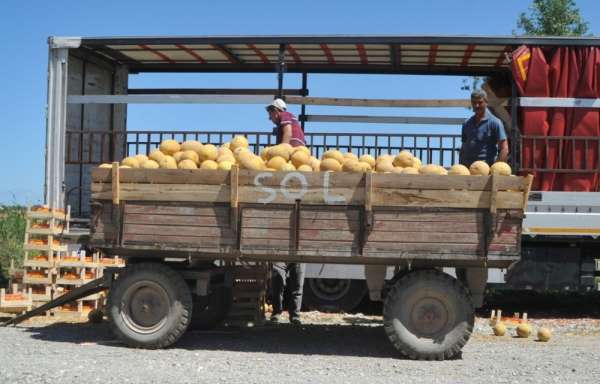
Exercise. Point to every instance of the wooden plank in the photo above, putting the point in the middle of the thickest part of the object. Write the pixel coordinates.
(324, 234)
(234, 183)
(267, 213)
(176, 230)
(417, 214)
(179, 241)
(164, 176)
(494, 193)
(170, 193)
(284, 244)
(330, 213)
(176, 210)
(265, 233)
(189, 221)
(297, 179)
(115, 183)
(447, 199)
(439, 238)
(473, 183)
(348, 102)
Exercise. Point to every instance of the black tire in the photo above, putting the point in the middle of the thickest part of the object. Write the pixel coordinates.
(428, 315)
(95, 316)
(333, 295)
(149, 306)
(210, 311)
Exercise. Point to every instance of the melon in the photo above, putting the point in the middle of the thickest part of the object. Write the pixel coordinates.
(156, 155)
(222, 151)
(226, 165)
(479, 168)
(364, 166)
(249, 160)
(187, 164)
(315, 164)
(410, 171)
(264, 154)
(209, 164)
(544, 334)
(366, 158)
(287, 167)
(432, 169)
(239, 151)
(330, 164)
(350, 156)
(141, 158)
(191, 145)
(279, 150)
(150, 164)
(208, 152)
(384, 166)
(351, 165)
(169, 147)
(238, 142)
(335, 155)
(105, 165)
(301, 149)
(130, 162)
(305, 168)
(523, 330)
(501, 168)
(385, 157)
(499, 329)
(190, 155)
(300, 158)
(397, 170)
(416, 163)
(226, 145)
(459, 170)
(403, 159)
(168, 162)
(226, 157)
(276, 162)
(177, 156)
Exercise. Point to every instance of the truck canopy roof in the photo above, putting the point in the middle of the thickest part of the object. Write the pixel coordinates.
(448, 55)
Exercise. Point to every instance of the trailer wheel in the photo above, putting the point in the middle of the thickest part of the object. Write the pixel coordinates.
(149, 306)
(428, 315)
(210, 311)
(333, 295)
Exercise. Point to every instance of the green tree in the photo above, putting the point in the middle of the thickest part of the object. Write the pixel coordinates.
(552, 18)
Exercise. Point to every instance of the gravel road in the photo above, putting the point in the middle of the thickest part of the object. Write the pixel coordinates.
(327, 348)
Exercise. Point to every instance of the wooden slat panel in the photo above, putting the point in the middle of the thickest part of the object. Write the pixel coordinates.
(441, 226)
(474, 183)
(266, 213)
(179, 241)
(284, 244)
(431, 215)
(178, 210)
(330, 213)
(265, 233)
(190, 221)
(175, 230)
(444, 198)
(163, 176)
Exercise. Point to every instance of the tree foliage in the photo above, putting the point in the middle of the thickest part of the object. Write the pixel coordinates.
(552, 18)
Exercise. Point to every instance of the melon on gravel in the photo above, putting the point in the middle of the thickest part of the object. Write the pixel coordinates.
(384, 166)
(208, 152)
(226, 165)
(523, 330)
(366, 158)
(190, 155)
(410, 171)
(403, 159)
(499, 329)
(168, 162)
(130, 162)
(209, 164)
(459, 169)
(479, 168)
(330, 164)
(141, 158)
(300, 158)
(335, 155)
(191, 145)
(169, 147)
(304, 168)
(238, 142)
(276, 162)
(150, 164)
(500, 168)
(544, 334)
(156, 155)
(187, 164)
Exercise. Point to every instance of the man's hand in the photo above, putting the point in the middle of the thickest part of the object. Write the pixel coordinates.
(287, 134)
(503, 155)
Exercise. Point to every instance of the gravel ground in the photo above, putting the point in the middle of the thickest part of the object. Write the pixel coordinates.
(326, 348)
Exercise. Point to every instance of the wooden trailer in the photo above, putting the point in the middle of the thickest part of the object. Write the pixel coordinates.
(181, 228)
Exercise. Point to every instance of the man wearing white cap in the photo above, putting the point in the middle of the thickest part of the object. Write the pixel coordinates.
(287, 127)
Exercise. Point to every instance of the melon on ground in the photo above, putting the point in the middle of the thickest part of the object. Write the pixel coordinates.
(479, 168)
(523, 330)
(544, 334)
(499, 329)
(330, 164)
(187, 164)
(169, 147)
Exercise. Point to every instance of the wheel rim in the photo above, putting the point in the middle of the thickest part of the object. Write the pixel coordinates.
(145, 307)
(330, 289)
(428, 317)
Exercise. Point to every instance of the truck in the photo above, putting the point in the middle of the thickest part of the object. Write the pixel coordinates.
(198, 243)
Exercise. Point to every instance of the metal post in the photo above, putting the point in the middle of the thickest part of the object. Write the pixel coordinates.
(56, 117)
(304, 94)
(515, 136)
(280, 70)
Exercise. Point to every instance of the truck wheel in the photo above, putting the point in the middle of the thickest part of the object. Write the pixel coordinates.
(333, 295)
(149, 306)
(428, 315)
(210, 311)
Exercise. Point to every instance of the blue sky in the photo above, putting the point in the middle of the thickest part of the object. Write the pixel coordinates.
(25, 26)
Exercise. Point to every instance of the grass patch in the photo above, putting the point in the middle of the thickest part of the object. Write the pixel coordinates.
(12, 237)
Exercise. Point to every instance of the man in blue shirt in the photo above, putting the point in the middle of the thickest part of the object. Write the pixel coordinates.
(483, 135)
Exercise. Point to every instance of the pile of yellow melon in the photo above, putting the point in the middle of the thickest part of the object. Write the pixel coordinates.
(283, 157)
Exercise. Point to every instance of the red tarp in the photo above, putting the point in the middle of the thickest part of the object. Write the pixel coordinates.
(571, 72)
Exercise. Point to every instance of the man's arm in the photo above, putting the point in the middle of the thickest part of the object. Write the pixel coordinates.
(287, 133)
(503, 155)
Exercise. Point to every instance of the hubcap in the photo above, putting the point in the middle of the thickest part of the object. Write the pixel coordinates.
(329, 289)
(145, 307)
(429, 316)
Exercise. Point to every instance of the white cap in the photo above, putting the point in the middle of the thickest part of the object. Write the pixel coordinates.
(279, 104)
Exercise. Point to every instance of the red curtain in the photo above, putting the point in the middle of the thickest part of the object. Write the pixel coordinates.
(571, 72)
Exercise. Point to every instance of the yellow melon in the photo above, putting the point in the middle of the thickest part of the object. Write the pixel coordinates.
(330, 164)
(287, 167)
(351, 165)
(141, 158)
(168, 162)
(130, 162)
(222, 151)
(150, 164)
(501, 168)
(305, 168)
(208, 152)
(226, 165)
(416, 163)
(191, 145)
(300, 158)
(156, 155)
(264, 154)
(499, 329)
(410, 171)
(544, 334)
(403, 159)
(187, 164)
(334, 154)
(479, 168)
(169, 147)
(248, 160)
(364, 166)
(209, 164)
(190, 155)
(238, 142)
(226, 157)
(385, 157)
(279, 150)
(350, 156)
(523, 330)
(226, 145)
(124, 166)
(459, 170)
(366, 158)
(301, 148)
(398, 170)
(315, 164)
(432, 169)
(177, 156)
(384, 166)
(239, 151)
(276, 162)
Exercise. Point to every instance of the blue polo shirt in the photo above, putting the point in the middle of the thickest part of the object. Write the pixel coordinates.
(480, 139)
